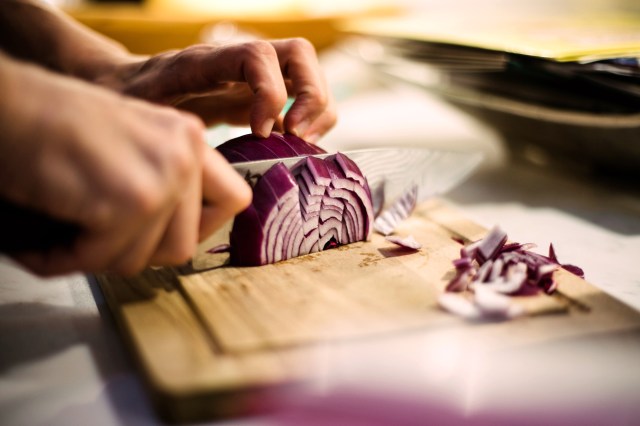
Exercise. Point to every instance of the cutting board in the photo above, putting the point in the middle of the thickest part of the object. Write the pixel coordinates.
(218, 342)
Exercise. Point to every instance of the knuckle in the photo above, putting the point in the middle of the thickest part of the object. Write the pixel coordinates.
(181, 152)
(318, 96)
(144, 198)
(195, 127)
(260, 48)
(301, 44)
(182, 160)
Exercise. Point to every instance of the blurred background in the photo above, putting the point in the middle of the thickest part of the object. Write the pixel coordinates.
(149, 26)
(401, 89)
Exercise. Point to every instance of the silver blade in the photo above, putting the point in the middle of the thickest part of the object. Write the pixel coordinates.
(392, 171)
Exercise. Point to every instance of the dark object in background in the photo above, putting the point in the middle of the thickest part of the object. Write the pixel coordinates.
(582, 117)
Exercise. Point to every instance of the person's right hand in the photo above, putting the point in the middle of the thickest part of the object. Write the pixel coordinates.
(131, 174)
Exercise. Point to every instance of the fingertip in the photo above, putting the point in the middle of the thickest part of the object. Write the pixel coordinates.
(265, 129)
(244, 197)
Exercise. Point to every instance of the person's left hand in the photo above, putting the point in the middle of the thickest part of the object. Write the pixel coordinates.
(244, 83)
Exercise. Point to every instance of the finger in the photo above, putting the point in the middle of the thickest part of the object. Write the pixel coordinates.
(232, 108)
(142, 246)
(321, 125)
(224, 191)
(201, 69)
(299, 64)
(181, 236)
(279, 125)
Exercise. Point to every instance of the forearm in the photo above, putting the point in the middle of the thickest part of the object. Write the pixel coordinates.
(35, 32)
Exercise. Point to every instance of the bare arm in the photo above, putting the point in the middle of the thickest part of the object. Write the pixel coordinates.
(35, 32)
(245, 83)
(133, 176)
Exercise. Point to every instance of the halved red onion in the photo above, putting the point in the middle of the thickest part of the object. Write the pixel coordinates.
(316, 205)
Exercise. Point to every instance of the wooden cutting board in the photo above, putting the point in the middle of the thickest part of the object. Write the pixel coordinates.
(212, 343)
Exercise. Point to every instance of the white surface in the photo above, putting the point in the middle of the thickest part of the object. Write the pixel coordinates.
(62, 362)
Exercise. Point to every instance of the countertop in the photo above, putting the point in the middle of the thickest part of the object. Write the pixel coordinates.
(62, 361)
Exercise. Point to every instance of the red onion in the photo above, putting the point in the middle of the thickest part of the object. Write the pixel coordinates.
(485, 304)
(506, 268)
(317, 205)
(492, 269)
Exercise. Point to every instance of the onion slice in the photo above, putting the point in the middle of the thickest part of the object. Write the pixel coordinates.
(401, 209)
(408, 242)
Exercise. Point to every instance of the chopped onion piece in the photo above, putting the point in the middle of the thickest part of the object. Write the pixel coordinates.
(511, 282)
(220, 248)
(470, 250)
(491, 244)
(461, 281)
(493, 269)
(494, 304)
(486, 305)
(406, 242)
(459, 305)
(575, 270)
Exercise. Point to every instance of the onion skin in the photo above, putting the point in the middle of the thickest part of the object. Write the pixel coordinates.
(318, 204)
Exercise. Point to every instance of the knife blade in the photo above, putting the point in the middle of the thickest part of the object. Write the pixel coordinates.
(392, 171)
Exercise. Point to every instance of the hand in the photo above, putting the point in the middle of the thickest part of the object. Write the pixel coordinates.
(238, 84)
(131, 174)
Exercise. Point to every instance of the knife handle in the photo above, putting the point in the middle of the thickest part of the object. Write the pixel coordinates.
(23, 229)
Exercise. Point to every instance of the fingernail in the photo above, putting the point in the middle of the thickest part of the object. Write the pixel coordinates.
(267, 127)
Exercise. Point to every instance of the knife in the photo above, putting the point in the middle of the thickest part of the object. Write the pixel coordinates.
(390, 172)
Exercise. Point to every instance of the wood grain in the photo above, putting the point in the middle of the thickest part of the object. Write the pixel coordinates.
(210, 343)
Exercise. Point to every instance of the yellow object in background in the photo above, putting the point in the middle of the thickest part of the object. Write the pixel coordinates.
(158, 25)
(560, 38)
